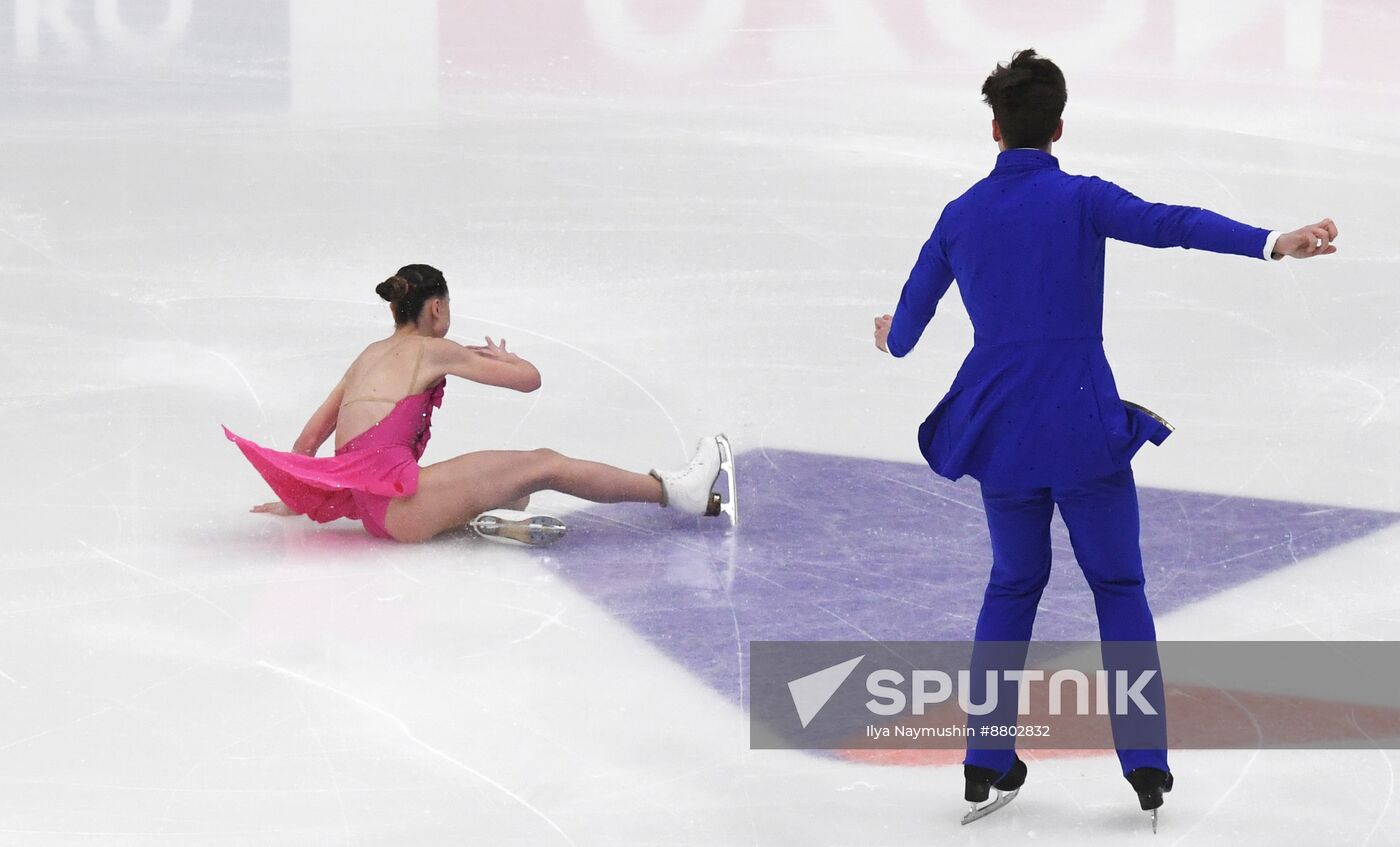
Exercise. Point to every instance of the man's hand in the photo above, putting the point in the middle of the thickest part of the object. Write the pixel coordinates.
(882, 329)
(1308, 241)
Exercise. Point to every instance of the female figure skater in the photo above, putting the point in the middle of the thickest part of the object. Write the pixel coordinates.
(1034, 414)
(380, 413)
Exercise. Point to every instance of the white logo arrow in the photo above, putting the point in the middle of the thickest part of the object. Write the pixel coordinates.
(810, 693)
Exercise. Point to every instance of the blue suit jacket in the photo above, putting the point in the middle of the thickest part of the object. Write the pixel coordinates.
(1035, 403)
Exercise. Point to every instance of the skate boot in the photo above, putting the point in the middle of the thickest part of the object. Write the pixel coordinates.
(692, 489)
(980, 782)
(1150, 784)
(511, 527)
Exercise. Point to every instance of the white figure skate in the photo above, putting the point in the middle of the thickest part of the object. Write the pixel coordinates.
(692, 489)
(511, 527)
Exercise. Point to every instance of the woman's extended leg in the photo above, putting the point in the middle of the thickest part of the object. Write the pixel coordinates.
(453, 492)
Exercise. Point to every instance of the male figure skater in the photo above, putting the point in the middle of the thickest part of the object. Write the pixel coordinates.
(1033, 413)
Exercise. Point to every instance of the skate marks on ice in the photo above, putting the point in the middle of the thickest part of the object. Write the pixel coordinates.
(837, 548)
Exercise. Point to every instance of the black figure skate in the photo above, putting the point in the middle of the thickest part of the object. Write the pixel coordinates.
(981, 781)
(1150, 784)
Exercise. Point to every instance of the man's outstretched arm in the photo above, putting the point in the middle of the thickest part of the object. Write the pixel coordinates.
(1119, 214)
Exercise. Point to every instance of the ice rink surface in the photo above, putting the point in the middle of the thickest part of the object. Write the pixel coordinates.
(686, 214)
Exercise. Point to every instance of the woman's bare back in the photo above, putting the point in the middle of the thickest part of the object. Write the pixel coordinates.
(383, 374)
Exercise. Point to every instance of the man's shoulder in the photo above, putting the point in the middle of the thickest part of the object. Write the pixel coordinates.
(963, 200)
(1092, 181)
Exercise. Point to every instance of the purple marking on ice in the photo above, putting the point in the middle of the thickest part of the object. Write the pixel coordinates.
(835, 548)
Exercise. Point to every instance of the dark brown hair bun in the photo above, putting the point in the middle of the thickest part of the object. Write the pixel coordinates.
(409, 289)
(393, 289)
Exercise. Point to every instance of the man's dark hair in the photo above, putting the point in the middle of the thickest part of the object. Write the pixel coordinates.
(1027, 98)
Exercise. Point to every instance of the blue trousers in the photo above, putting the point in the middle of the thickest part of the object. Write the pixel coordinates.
(1102, 518)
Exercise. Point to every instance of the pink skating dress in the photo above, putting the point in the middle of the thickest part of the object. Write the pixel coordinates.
(365, 473)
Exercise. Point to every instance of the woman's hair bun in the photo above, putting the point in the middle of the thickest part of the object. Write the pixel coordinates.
(393, 289)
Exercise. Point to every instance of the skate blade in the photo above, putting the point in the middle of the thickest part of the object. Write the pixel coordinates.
(728, 507)
(537, 531)
(979, 812)
(1154, 821)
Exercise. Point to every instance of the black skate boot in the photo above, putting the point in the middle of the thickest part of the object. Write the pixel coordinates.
(1150, 784)
(980, 782)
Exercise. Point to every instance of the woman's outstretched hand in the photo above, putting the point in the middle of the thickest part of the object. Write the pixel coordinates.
(493, 364)
(276, 507)
(492, 350)
(1308, 241)
(882, 330)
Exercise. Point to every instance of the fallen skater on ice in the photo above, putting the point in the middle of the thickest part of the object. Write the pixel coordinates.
(381, 415)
